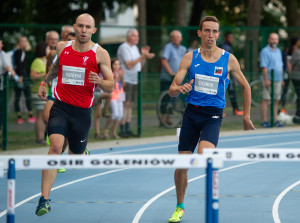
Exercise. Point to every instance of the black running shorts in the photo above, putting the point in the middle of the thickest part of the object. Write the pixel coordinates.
(199, 123)
(72, 122)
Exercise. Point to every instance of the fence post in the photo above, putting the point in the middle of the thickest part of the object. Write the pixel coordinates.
(272, 98)
(139, 126)
(5, 111)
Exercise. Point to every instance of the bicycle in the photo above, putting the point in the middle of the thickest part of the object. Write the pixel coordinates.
(170, 110)
(257, 89)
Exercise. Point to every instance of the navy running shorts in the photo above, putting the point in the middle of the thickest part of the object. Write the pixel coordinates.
(199, 123)
(72, 122)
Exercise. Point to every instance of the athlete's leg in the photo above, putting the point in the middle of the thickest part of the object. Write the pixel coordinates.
(97, 116)
(46, 110)
(48, 176)
(205, 144)
(181, 180)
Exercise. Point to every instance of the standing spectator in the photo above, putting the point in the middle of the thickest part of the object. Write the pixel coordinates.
(172, 54)
(227, 45)
(271, 59)
(194, 45)
(23, 85)
(65, 30)
(116, 103)
(4, 67)
(132, 62)
(287, 56)
(294, 70)
(37, 74)
(52, 39)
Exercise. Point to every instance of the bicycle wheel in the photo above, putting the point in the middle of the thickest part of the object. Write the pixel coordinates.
(170, 110)
(256, 92)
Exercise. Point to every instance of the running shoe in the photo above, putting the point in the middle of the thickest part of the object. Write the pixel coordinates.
(61, 170)
(278, 124)
(43, 206)
(47, 140)
(31, 119)
(238, 112)
(87, 152)
(177, 215)
(265, 124)
(20, 121)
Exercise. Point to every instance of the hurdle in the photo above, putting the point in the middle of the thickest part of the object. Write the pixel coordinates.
(211, 162)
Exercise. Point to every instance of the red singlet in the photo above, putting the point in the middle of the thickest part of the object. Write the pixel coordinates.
(73, 86)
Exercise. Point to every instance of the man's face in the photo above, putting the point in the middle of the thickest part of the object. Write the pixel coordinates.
(133, 38)
(273, 40)
(176, 38)
(229, 38)
(84, 29)
(65, 32)
(209, 34)
(23, 43)
(52, 40)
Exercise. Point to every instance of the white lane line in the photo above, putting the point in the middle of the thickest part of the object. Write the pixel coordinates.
(61, 186)
(145, 206)
(277, 202)
(259, 137)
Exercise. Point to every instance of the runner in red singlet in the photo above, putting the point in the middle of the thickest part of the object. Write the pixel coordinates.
(78, 67)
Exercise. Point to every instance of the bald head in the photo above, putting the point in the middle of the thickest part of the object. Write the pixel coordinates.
(52, 39)
(84, 28)
(87, 17)
(65, 30)
(176, 37)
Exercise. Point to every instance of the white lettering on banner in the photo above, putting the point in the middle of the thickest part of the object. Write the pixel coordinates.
(11, 196)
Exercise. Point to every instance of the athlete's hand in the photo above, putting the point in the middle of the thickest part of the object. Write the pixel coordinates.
(248, 125)
(187, 87)
(42, 93)
(94, 78)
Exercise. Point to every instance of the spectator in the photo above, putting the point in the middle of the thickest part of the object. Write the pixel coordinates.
(286, 56)
(227, 45)
(132, 62)
(52, 39)
(271, 59)
(37, 74)
(172, 54)
(23, 85)
(4, 67)
(294, 70)
(65, 30)
(116, 103)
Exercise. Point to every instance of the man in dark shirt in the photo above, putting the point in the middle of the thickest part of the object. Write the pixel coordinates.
(226, 45)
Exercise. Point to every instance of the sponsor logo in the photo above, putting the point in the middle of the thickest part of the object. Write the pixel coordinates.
(229, 155)
(215, 116)
(197, 65)
(274, 156)
(194, 162)
(218, 71)
(84, 60)
(215, 185)
(83, 140)
(26, 162)
(66, 52)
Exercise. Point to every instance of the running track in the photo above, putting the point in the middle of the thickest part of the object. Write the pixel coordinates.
(259, 192)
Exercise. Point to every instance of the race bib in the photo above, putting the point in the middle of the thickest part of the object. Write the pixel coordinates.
(206, 84)
(73, 75)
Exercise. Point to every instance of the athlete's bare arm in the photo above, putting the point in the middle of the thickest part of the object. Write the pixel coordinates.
(103, 60)
(235, 70)
(176, 86)
(53, 72)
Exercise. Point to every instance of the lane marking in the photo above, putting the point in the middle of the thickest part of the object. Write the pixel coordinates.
(277, 202)
(145, 206)
(61, 186)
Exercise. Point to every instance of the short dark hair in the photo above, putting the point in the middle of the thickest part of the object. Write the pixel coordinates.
(228, 33)
(40, 49)
(208, 19)
(70, 34)
(113, 60)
